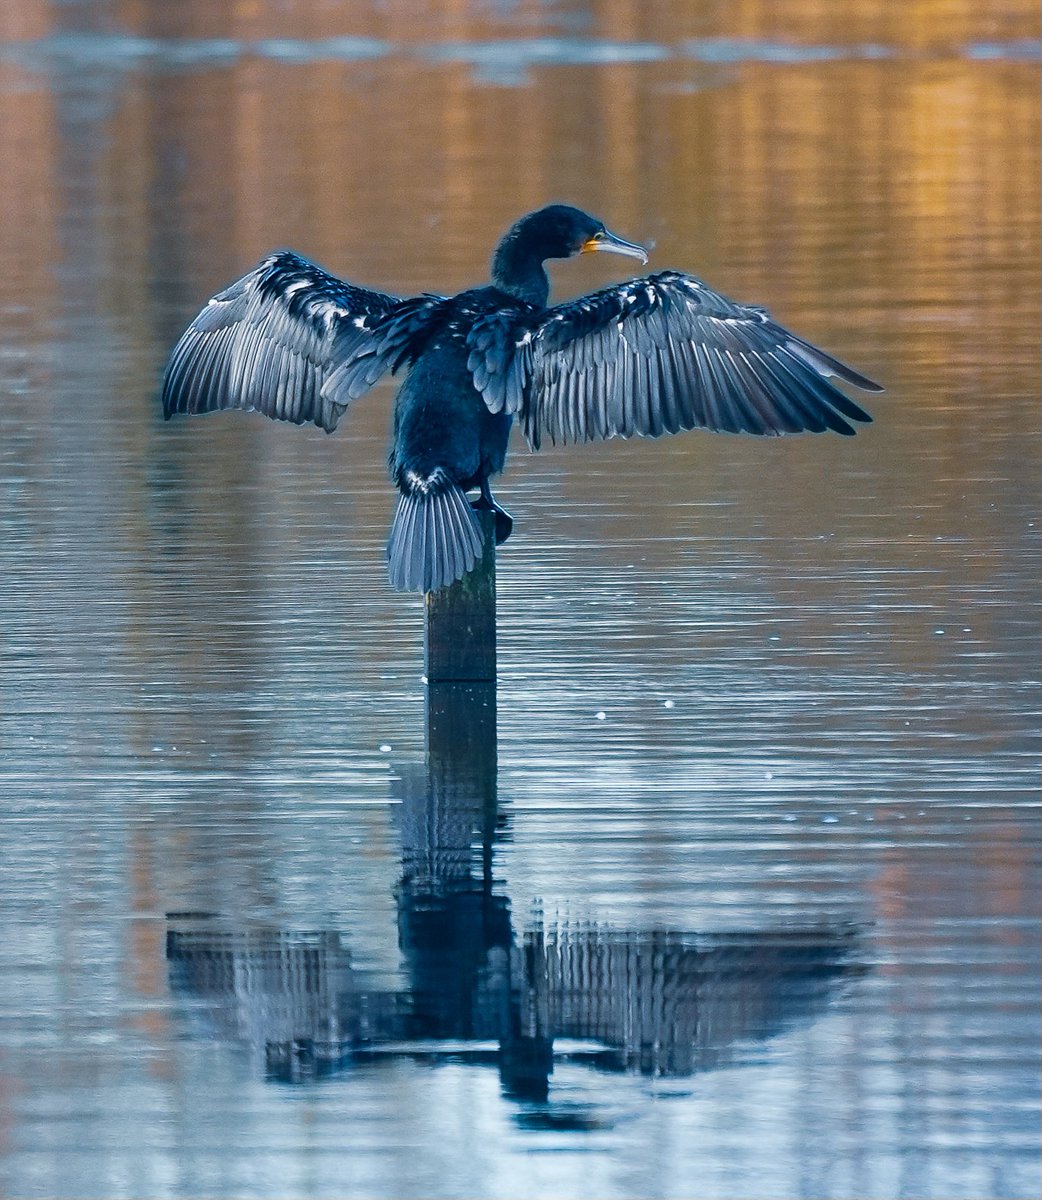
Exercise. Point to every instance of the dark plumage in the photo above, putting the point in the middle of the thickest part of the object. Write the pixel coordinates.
(648, 356)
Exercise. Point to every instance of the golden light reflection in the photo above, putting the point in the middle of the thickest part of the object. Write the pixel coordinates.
(885, 205)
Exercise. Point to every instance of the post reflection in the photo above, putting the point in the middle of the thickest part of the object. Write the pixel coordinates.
(656, 1002)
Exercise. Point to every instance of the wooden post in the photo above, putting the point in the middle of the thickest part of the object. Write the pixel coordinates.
(462, 765)
(459, 633)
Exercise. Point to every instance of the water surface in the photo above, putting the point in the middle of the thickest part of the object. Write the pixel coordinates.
(731, 887)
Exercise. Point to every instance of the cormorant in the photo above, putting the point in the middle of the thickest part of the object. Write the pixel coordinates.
(649, 356)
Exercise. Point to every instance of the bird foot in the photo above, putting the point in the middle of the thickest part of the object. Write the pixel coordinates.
(504, 521)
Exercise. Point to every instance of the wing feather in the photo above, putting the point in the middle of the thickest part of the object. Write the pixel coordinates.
(271, 341)
(654, 356)
(601, 387)
(805, 413)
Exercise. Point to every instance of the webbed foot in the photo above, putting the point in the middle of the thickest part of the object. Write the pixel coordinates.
(504, 521)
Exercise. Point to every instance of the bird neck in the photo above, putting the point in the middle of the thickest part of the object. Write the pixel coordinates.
(518, 270)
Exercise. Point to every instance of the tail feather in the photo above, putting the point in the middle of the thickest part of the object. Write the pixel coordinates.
(435, 536)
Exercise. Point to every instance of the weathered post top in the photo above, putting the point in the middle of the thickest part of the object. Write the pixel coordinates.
(459, 631)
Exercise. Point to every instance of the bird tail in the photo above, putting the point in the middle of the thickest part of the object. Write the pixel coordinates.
(435, 536)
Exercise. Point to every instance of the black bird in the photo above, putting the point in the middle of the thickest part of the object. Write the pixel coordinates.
(649, 356)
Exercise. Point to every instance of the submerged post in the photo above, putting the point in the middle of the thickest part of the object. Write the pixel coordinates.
(459, 631)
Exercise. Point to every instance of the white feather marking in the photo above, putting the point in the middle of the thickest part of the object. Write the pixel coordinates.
(418, 482)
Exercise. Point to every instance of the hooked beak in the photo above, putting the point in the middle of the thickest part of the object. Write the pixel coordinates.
(612, 244)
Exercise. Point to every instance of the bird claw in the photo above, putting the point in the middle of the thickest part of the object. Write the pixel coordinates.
(504, 521)
(504, 525)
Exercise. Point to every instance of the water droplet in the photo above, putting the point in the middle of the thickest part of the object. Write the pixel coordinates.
(384, 748)
(668, 704)
(602, 716)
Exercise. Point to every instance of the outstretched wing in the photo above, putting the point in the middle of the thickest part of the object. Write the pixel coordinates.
(657, 355)
(271, 341)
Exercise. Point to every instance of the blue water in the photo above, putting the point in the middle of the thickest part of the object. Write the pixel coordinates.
(731, 886)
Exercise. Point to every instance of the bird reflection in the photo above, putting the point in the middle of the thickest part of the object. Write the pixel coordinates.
(655, 1002)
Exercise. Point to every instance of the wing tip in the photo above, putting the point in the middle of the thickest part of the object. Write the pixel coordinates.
(856, 379)
(826, 365)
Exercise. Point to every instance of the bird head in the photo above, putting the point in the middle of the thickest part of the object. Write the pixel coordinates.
(560, 231)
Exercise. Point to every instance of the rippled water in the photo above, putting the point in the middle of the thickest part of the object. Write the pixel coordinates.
(731, 887)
